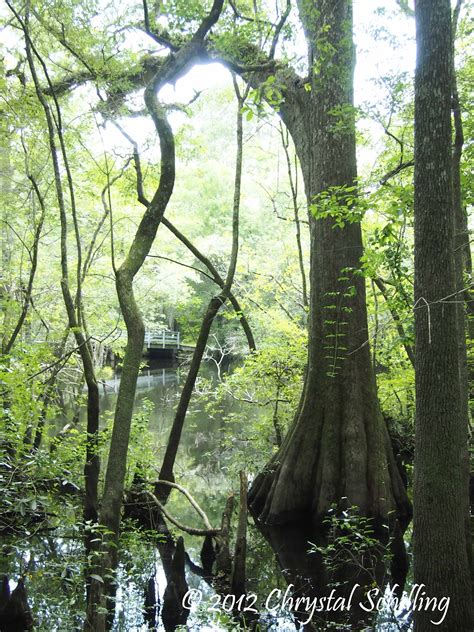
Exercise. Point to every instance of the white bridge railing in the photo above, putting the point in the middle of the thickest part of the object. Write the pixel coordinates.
(163, 339)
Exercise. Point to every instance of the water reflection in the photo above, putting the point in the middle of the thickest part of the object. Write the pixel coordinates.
(275, 559)
(166, 374)
(160, 384)
(203, 468)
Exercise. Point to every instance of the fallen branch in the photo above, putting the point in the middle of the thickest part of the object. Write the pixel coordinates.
(179, 525)
(191, 500)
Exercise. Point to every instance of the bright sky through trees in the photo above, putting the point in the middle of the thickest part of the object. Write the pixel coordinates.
(385, 41)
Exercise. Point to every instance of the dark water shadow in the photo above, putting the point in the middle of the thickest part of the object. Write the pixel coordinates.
(322, 595)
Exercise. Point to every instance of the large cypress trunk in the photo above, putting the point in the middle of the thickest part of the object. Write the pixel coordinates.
(441, 436)
(338, 445)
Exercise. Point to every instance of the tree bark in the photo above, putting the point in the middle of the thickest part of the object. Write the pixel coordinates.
(397, 320)
(33, 254)
(441, 429)
(110, 515)
(218, 280)
(463, 267)
(213, 273)
(238, 581)
(338, 445)
(293, 181)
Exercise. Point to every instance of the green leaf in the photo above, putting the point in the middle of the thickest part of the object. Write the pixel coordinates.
(98, 578)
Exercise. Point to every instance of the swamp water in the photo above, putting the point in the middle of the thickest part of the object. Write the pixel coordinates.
(207, 467)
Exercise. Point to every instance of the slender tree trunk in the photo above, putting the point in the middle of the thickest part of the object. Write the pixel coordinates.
(441, 435)
(463, 263)
(214, 275)
(238, 582)
(102, 592)
(397, 320)
(73, 306)
(166, 472)
(100, 607)
(338, 446)
(293, 180)
(47, 394)
(462, 233)
(34, 262)
(218, 279)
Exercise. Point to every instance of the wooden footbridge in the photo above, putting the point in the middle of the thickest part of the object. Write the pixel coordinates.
(163, 343)
(161, 339)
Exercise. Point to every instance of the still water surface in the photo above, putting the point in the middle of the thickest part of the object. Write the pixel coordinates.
(204, 467)
(210, 455)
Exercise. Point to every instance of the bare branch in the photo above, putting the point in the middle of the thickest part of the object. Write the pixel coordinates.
(393, 172)
(179, 525)
(216, 277)
(191, 500)
(90, 254)
(33, 254)
(278, 28)
(184, 265)
(396, 319)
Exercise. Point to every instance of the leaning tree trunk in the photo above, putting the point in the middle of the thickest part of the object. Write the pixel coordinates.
(101, 597)
(100, 606)
(73, 305)
(215, 304)
(338, 445)
(441, 429)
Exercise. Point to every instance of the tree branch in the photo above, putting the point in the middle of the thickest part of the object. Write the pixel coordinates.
(278, 29)
(216, 277)
(191, 500)
(179, 525)
(184, 265)
(33, 254)
(393, 172)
